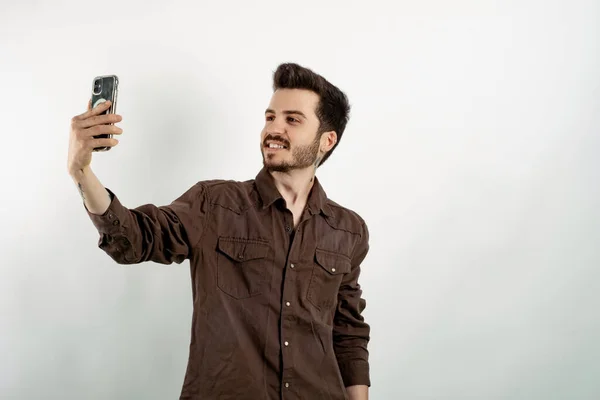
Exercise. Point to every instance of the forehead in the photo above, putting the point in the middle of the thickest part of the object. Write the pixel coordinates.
(295, 99)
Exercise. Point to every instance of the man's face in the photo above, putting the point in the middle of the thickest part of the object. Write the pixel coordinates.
(289, 139)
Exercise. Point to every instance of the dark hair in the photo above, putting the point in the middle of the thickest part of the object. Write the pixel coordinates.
(333, 109)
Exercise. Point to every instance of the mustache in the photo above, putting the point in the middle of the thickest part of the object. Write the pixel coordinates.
(276, 139)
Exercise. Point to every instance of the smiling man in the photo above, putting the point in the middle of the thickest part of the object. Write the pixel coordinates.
(274, 262)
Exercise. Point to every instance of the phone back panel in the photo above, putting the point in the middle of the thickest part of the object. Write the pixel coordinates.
(108, 91)
(105, 88)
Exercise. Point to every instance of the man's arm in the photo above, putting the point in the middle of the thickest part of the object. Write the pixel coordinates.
(350, 331)
(164, 234)
(358, 392)
(95, 197)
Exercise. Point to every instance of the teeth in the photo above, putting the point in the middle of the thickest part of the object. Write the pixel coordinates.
(275, 146)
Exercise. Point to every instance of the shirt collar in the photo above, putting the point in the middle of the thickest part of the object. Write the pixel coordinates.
(317, 198)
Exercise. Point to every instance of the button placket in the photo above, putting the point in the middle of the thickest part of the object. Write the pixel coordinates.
(288, 322)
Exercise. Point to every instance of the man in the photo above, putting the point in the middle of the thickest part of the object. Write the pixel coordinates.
(274, 263)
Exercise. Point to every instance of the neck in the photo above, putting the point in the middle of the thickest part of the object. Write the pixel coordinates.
(294, 185)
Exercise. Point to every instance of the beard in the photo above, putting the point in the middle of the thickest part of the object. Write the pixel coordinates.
(302, 157)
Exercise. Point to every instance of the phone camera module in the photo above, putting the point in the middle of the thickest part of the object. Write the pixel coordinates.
(97, 86)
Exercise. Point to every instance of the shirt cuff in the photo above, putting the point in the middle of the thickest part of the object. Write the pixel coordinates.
(355, 373)
(111, 222)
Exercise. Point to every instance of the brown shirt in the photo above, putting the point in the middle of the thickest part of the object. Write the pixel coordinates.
(276, 310)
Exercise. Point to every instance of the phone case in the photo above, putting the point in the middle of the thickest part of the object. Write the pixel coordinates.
(105, 88)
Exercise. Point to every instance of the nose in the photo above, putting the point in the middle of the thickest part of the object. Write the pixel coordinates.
(277, 126)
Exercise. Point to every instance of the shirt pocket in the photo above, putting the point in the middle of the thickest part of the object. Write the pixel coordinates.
(241, 266)
(328, 271)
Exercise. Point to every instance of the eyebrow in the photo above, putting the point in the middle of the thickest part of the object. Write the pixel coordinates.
(286, 112)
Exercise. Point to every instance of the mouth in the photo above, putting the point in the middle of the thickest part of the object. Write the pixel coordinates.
(274, 146)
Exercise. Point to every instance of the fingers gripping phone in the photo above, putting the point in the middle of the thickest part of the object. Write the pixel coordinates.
(105, 88)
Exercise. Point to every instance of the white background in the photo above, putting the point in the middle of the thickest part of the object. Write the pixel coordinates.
(472, 153)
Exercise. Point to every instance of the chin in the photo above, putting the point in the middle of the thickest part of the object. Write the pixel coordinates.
(276, 166)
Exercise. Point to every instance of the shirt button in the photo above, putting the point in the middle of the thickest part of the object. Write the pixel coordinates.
(332, 269)
(287, 384)
(287, 303)
(287, 228)
(116, 222)
(286, 344)
(292, 266)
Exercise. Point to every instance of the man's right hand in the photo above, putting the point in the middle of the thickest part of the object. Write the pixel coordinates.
(83, 129)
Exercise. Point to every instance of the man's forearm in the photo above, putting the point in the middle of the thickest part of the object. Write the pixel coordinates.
(94, 194)
(358, 392)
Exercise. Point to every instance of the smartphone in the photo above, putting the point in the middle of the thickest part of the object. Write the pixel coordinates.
(105, 88)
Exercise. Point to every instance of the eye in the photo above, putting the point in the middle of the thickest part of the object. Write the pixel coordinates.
(289, 119)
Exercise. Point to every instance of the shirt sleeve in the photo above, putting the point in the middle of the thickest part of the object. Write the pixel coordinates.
(350, 331)
(163, 234)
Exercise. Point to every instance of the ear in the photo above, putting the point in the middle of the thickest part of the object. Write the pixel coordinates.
(328, 140)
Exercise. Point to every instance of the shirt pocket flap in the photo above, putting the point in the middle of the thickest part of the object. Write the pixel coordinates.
(242, 250)
(333, 263)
